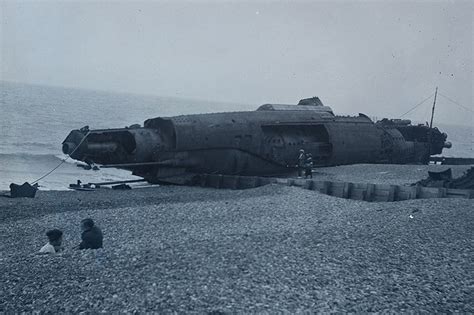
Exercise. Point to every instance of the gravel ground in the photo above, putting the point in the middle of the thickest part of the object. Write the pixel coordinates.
(270, 249)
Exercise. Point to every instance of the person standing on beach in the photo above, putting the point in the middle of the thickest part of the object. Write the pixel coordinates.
(301, 162)
(53, 246)
(91, 235)
(308, 167)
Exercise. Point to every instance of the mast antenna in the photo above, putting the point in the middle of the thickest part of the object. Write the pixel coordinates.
(433, 109)
(431, 126)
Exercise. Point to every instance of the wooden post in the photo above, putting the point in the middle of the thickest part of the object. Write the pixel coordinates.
(392, 194)
(415, 192)
(442, 192)
(236, 182)
(369, 193)
(308, 185)
(219, 181)
(327, 188)
(346, 192)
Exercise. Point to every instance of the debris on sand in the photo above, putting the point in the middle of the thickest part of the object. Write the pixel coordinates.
(446, 180)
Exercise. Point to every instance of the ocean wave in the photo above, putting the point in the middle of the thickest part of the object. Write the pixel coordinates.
(31, 157)
(12, 146)
(21, 167)
(28, 144)
(19, 150)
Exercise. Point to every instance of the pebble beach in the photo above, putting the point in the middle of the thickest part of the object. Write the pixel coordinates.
(272, 249)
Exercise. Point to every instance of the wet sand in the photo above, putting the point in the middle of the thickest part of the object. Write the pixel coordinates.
(269, 249)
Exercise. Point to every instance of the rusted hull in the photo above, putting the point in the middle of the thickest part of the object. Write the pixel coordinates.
(263, 142)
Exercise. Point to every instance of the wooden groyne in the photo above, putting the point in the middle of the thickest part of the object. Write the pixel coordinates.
(356, 191)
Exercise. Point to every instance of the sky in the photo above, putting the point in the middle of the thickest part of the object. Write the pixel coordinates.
(376, 57)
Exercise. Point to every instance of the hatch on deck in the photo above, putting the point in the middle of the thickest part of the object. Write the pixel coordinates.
(283, 107)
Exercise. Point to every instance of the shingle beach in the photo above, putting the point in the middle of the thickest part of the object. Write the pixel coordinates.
(272, 249)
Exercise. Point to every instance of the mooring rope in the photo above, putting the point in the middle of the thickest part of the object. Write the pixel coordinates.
(444, 96)
(62, 161)
(414, 107)
(456, 103)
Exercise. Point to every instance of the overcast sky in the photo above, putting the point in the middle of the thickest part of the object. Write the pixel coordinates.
(380, 58)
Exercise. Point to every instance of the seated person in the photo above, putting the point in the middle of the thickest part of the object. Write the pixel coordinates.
(55, 238)
(91, 235)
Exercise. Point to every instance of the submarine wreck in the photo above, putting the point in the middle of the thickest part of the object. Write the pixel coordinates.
(264, 142)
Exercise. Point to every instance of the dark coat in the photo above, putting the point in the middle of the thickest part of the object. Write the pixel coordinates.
(91, 238)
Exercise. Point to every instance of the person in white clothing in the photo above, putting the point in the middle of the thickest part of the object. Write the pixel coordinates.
(55, 238)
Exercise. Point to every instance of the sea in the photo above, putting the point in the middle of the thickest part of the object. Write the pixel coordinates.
(36, 119)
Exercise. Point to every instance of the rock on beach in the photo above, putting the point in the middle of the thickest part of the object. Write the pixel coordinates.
(271, 249)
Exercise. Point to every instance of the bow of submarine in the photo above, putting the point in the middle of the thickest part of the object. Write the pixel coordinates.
(140, 150)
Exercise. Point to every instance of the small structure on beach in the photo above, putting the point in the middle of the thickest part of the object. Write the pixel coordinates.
(348, 190)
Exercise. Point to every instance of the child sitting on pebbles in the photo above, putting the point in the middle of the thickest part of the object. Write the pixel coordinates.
(91, 235)
(55, 238)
